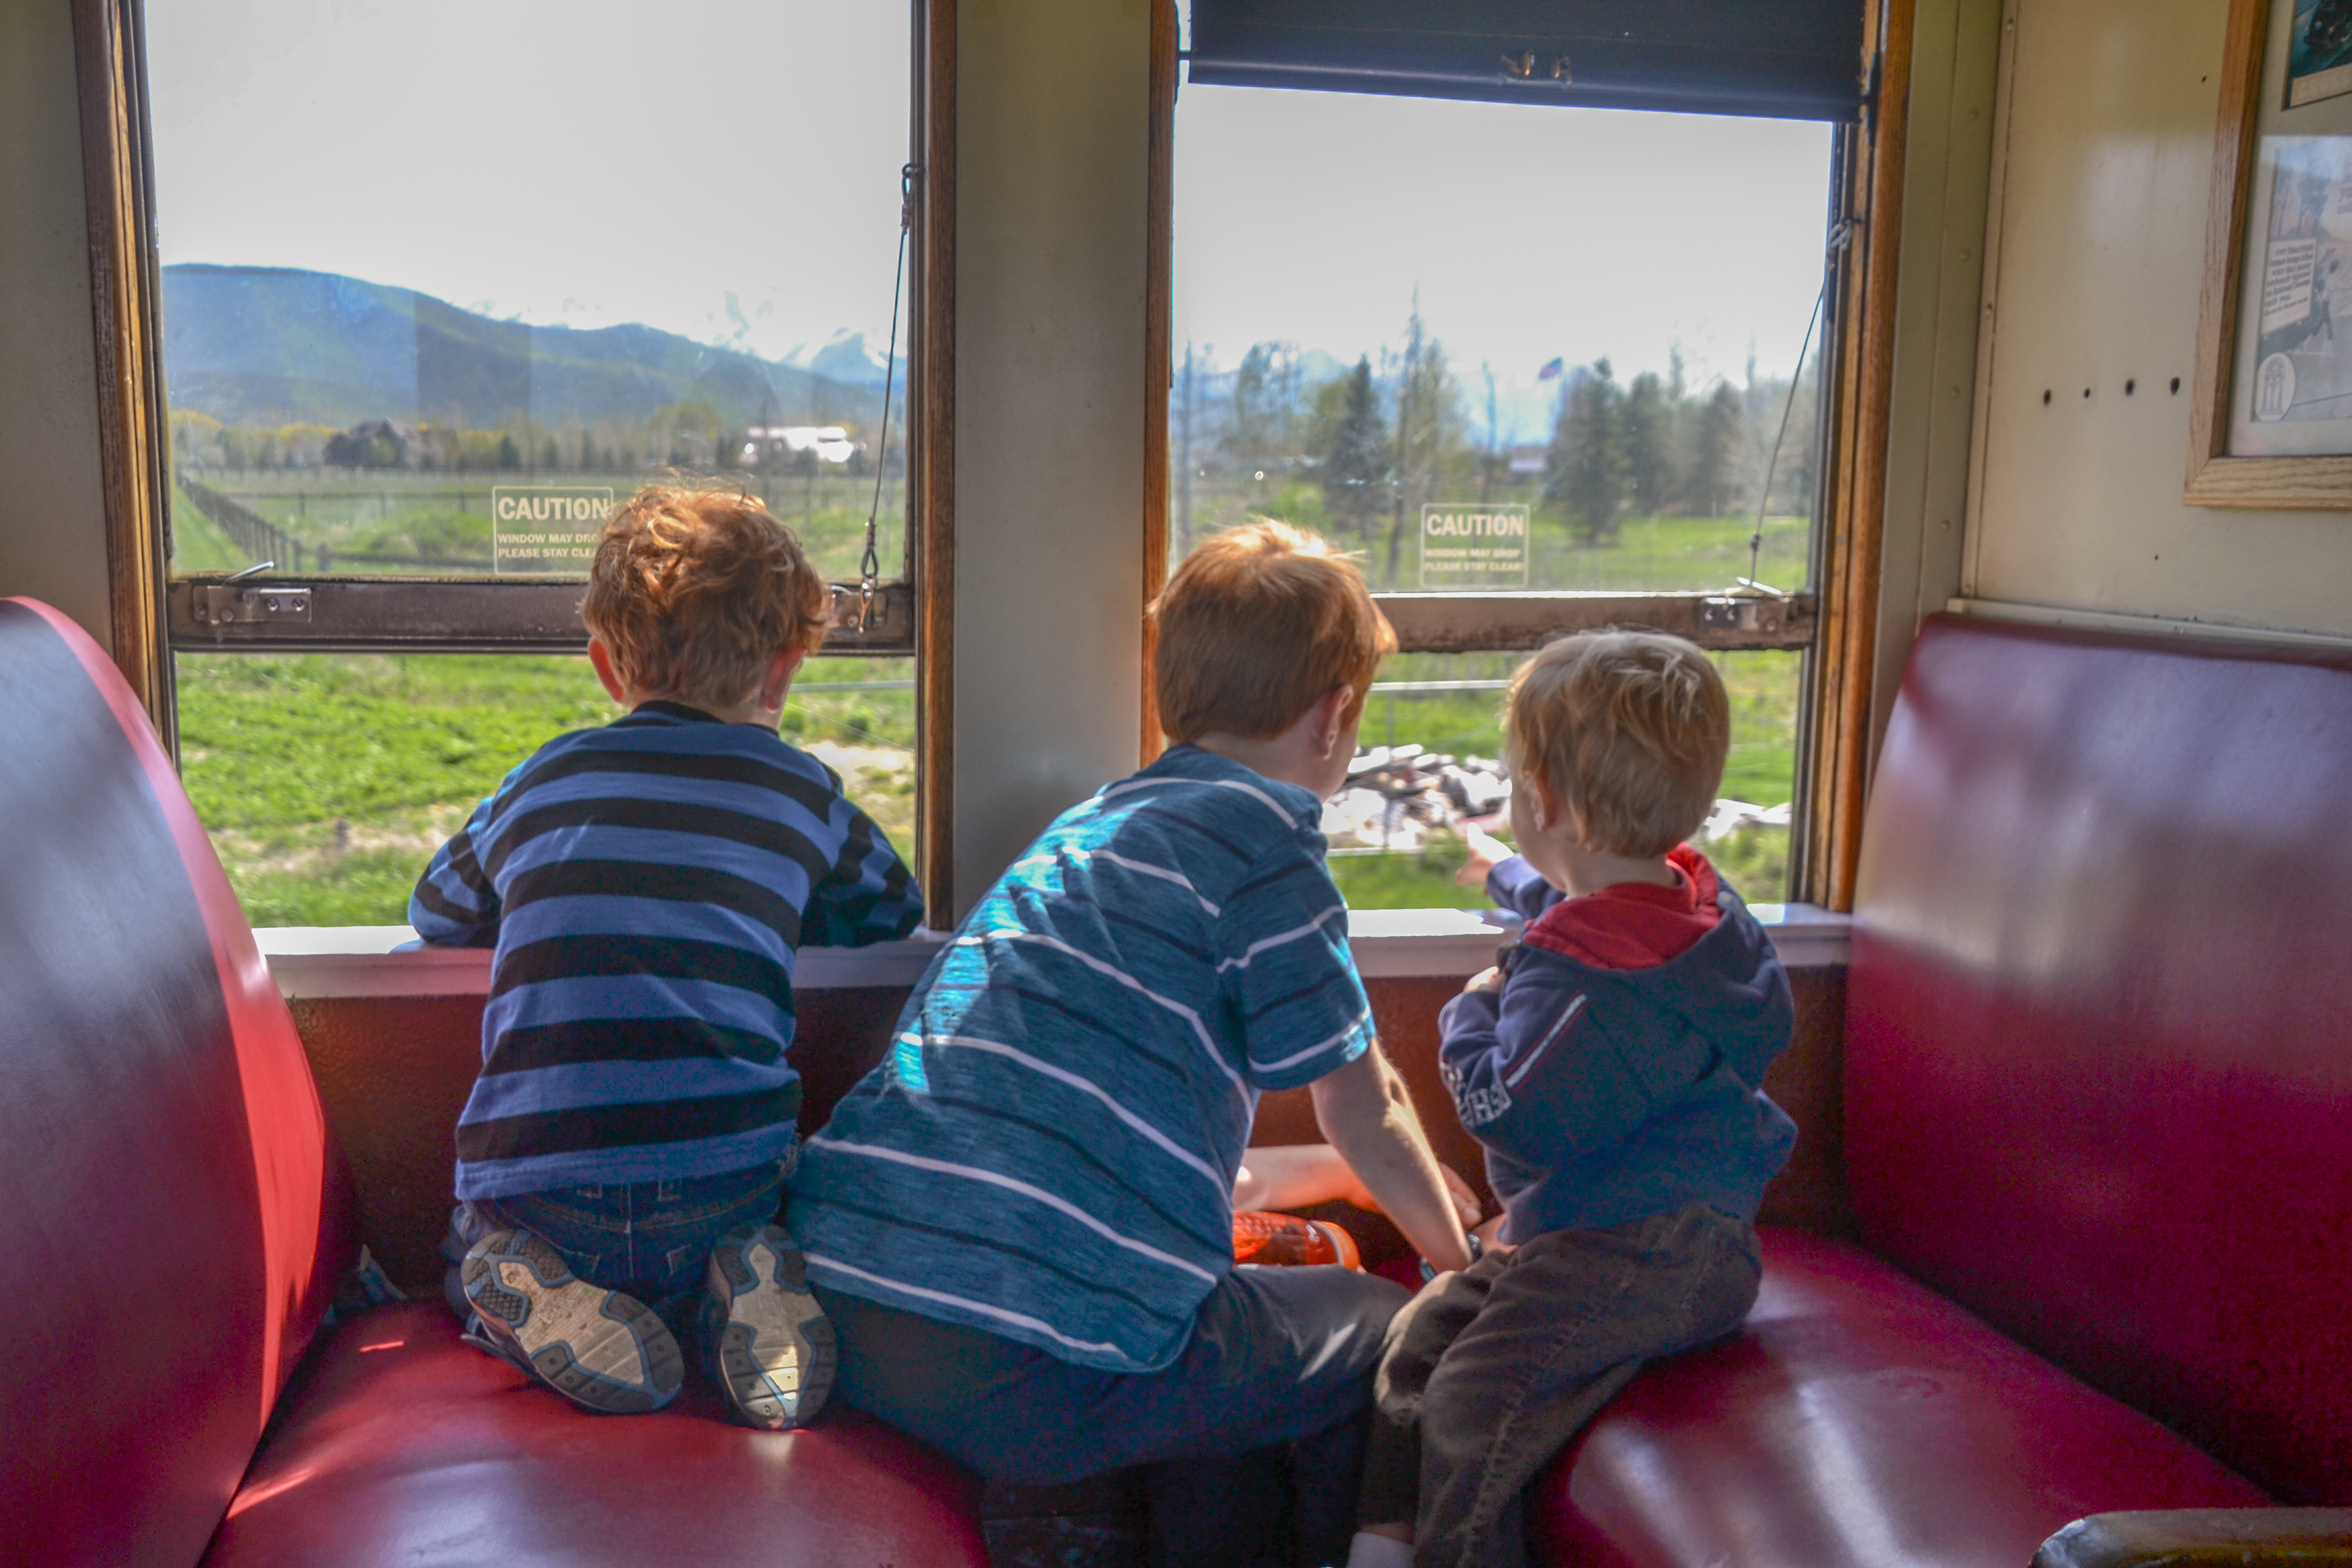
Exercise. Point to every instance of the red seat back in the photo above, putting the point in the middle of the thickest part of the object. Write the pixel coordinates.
(2099, 1037)
(163, 1249)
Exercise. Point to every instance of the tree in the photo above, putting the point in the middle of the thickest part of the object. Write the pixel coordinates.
(1649, 446)
(1355, 457)
(1715, 455)
(1585, 472)
(1431, 432)
(1259, 434)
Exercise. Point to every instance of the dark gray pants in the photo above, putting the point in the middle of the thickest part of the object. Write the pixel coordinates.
(1253, 1438)
(1487, 1373)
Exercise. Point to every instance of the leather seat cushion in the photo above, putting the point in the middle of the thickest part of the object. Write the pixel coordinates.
(1857, 1419)
(404, 1445)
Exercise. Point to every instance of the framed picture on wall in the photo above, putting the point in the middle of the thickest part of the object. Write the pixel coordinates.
(2272, 421)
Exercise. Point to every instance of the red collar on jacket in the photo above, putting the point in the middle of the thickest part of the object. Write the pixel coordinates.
(1634, 925)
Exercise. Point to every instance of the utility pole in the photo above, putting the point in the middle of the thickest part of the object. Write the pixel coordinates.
(1184, 459)
(1486, 469)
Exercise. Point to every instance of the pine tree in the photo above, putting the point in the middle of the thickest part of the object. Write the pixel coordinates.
(1259, 436)
(1355, 463)
(1649, 446)
(1431, 431)
(1715, 457)
(1585, 474)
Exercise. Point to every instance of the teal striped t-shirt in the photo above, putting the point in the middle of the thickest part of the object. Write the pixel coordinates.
(1048, 1153)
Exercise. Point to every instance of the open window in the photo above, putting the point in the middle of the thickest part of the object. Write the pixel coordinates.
(425, 293)
(1530, 306)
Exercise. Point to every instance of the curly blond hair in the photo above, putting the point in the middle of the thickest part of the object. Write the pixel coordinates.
(1629, 731)
(695, 588)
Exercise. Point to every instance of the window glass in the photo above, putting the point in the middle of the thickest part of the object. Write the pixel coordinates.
(1395, 833)
(327, 782)
(442, 281)
(1497, 347)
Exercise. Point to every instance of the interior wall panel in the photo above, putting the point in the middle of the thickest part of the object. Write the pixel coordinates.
(1051, 209)
(2106, 162)
(52, 504)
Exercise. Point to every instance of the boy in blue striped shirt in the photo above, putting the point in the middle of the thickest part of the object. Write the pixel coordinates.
(622, 1156)
(1021, 1223)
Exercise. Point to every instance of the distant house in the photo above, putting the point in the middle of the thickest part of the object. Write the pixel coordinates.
(773, 443)
(1527, 459)
(377, 444)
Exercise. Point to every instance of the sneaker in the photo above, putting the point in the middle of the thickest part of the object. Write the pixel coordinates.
(598, 1348)
(769, 1344)
(1286, 1239)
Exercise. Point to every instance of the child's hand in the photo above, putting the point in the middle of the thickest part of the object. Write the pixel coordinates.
(1489, 1237)
(1486, 852)
(1487, 979)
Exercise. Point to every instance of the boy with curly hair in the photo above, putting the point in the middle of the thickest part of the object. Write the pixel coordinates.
(622, 1154)
(1610, 1066)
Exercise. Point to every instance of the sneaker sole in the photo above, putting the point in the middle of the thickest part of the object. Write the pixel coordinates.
(598, 1348)
(775, 1350)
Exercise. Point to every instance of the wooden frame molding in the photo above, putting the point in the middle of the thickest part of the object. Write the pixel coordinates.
(2216, 478)
(133, 449)
(1159, 296)
(1845, 655)
(931, 352)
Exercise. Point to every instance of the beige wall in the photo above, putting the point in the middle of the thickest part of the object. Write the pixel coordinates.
(52, 515)
(1052, 113)
(2103, 160)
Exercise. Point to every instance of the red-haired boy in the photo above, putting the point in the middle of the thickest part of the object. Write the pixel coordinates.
(1021, 1224)
(622, 1153)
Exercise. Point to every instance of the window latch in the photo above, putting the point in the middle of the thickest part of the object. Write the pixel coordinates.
(1742, 613)
(228, 604)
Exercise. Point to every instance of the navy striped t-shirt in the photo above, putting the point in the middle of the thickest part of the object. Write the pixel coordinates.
(644, 885)
(1049, 1152)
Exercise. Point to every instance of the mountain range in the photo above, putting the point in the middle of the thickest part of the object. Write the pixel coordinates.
(273, 345)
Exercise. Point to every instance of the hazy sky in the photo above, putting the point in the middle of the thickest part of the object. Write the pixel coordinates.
(594, 163)
(586, 162)
(1529, 232)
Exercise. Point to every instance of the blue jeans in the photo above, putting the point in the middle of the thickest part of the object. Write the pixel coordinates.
(651, 1240)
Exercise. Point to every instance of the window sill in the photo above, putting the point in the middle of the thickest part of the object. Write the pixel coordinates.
(317, 962)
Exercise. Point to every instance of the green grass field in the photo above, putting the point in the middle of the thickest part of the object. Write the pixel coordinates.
(327, 782)
(377, 522)
(1659, 553)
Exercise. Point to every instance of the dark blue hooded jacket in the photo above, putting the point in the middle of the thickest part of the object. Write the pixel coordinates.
(1606, 1096)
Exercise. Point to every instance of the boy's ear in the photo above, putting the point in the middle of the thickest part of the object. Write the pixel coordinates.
(601, 657)
(777, 677)
(1328, 718)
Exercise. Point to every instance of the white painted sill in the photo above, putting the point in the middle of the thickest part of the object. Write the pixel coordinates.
(1389, 944)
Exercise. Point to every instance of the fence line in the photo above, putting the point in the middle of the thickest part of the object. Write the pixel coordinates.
(260, 539)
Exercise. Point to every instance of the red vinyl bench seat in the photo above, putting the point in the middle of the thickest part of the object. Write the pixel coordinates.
(405, 1445)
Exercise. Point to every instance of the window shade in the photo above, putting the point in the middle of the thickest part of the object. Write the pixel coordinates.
(1790, 59)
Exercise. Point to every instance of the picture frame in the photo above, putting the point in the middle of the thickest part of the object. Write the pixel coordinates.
(2268, 426)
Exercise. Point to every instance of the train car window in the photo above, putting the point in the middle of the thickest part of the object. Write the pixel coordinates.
(1545, 349)
(439, 285)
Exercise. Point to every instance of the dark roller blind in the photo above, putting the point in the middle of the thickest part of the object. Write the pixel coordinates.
(1788, 59)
